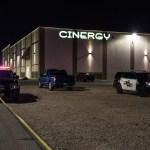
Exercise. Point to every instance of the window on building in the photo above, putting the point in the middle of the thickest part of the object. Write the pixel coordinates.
(18, 61)
(5, 63)
(11, 62)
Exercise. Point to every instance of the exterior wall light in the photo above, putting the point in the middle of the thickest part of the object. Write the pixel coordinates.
(134, 34)
(145, 52)
(133, 37)
(145, 55)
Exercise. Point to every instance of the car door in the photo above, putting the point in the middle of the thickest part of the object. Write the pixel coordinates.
(44, 78)
(129, 81)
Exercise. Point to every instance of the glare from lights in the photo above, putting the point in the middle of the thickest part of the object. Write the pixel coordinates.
(4, 67)
(90, 61)
(134, 34)
(133, 37)
(145, 52)
(145, 59)
(90, 48)
(11, 62)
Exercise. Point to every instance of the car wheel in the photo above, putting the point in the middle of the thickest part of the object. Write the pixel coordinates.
(51, 88)
(6, 94)
(92, 80)
(69, 88)
(141, 91)
(40, 85)
(84, 80)
(119, 89)
(15, 98)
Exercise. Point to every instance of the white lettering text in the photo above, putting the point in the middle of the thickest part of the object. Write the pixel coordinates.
(84, 35)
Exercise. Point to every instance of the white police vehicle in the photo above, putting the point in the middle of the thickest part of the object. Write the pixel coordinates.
(134, 81)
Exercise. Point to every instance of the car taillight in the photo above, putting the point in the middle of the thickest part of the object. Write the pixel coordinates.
(54, 79)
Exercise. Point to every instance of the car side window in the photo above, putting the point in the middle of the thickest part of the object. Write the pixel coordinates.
(118, 75)
(132, 76)
(129, 75)
(45, 72)
(126, 75)
(48, 72)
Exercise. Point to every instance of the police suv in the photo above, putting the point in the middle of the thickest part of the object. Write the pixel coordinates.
(134, 81)
(9, 83)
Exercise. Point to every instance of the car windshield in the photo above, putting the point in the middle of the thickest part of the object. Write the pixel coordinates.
(6, 74)
(144, 76)
(118, 74)
(58, 72)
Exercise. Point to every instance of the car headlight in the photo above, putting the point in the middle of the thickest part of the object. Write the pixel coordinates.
(15, 86)
(148, 83)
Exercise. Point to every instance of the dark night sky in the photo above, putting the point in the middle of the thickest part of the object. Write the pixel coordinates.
(18, 18)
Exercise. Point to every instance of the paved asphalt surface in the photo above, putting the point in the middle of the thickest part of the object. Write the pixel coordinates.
(13, 136)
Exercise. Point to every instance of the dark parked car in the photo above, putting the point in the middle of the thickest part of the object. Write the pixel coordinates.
(84, 77)
(9, 84)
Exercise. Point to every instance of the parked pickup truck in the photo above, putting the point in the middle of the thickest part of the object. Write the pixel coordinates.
(54, 78)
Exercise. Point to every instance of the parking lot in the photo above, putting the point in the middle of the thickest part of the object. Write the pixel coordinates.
(91, 117)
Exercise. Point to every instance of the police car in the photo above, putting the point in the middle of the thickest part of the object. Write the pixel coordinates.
(9, 83)
(134, 81)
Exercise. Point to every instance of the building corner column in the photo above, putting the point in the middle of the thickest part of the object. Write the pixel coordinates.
(104, 68)
(74, 56)
(132, 56)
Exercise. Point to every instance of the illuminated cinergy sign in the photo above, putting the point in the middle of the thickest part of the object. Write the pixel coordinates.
(84, 35)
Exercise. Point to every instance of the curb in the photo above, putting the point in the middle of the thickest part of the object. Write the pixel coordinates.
(40, 140)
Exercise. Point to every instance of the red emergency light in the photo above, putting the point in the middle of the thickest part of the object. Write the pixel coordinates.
(4, 67)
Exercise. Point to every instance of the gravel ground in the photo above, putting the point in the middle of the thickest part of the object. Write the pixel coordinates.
(87, 118)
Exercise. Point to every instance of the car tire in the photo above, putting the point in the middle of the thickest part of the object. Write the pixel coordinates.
(84, 80)
(50, 87)
(15, 98)
(6, 94)
(92, 80)
(69, 88)
(40, 85)
(141, 91)
(119, 89)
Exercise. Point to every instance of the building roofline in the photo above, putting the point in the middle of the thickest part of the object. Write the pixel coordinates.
(126, 33)
(129, 33)
(5, 47)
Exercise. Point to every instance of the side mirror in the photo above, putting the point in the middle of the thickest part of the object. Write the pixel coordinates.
(15, 76)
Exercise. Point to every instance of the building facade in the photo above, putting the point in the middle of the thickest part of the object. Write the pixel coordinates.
(100, 53)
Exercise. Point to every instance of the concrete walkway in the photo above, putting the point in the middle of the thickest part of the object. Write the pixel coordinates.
(13, 135)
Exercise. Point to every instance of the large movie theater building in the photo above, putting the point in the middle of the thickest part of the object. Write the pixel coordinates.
(98, 52)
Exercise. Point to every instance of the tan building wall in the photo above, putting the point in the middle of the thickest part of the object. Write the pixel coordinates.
(58, 51)
(44, 48)
(23, 56)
